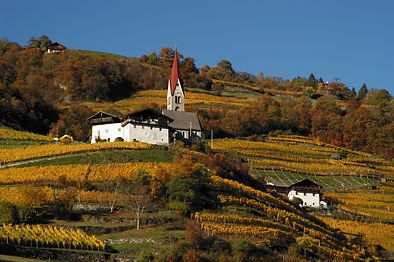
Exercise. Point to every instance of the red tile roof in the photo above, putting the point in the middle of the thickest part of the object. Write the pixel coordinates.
(174, 73)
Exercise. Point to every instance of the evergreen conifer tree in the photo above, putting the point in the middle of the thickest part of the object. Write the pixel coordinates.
(362, 92)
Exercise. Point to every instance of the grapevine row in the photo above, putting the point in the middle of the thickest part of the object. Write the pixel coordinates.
(78, 172)
(21, 135)
(255, 231)
(237, 219)
(21, 196)
(251, 191)
(49, 150)
(288, 218)
(49, 236)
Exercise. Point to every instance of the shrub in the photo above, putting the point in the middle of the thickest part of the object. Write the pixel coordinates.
(296, 201)
(245, 250)
(8, 213)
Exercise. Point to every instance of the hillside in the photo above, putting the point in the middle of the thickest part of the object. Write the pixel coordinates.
(218, 200)
(189, 203)
(55, 93)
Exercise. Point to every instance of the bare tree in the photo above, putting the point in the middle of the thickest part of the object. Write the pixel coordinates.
(117, 188)
(138, 206)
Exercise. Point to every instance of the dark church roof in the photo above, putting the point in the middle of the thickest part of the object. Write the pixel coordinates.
(103, 118)
(147, 113)
(182, 120)
(147, 117)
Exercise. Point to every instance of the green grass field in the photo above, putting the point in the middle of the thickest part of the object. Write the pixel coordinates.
(156, 154)
(97, 53)
(329, 183)
(19, 143)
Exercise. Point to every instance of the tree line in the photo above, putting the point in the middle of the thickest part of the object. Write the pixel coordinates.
(38, 92)
(365, 124)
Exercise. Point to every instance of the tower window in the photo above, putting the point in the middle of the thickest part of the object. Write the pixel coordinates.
(178, 99)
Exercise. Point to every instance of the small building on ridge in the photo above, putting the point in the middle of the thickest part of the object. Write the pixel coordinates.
(308, 191)
(56, 48)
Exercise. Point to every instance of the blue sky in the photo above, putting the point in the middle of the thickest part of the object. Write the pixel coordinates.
(352, 40)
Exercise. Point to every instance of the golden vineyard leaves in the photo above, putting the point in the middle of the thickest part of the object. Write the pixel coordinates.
(249, 190)
(145, 97)
(236, 144)
(49, 150)
(256, 231)
(378, 204)
(36, 196)
(290, 219)
(21, 135)
(305, 156)
(27, 195)
(194, 98)
(374, 233)
(238, 219)
(293, 226)
(80, 172)
(49, 237)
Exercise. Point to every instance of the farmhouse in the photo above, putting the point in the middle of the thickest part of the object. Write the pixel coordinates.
(148, 125)
(56, 48)
(308, 191)
(105, 127)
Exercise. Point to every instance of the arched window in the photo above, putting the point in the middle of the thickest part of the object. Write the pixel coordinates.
(178, 99)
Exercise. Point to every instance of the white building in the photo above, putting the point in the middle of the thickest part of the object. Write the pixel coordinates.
(148, 125)
(308, 191)
(105, 127)
(56, 48)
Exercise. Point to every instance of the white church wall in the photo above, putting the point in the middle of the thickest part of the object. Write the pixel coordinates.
(108, 132)
(172, 102)
(309, 199)
(147, 134)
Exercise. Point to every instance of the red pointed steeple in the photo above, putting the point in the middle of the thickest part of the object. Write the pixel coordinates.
(174, 73)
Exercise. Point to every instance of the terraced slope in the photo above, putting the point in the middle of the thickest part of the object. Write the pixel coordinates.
(10, 155)
(231, 98)
(285, 160)
(241, 209)
(244, 211)
(10, 134)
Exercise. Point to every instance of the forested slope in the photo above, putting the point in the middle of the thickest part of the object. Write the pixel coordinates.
(55, 93)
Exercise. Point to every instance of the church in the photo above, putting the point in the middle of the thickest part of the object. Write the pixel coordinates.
(148, 125)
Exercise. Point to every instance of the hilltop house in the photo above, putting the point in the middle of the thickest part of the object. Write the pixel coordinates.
(56, 48)
(308, 191)
(148, 125)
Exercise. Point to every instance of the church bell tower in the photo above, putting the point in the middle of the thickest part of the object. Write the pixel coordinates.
(175, 95)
